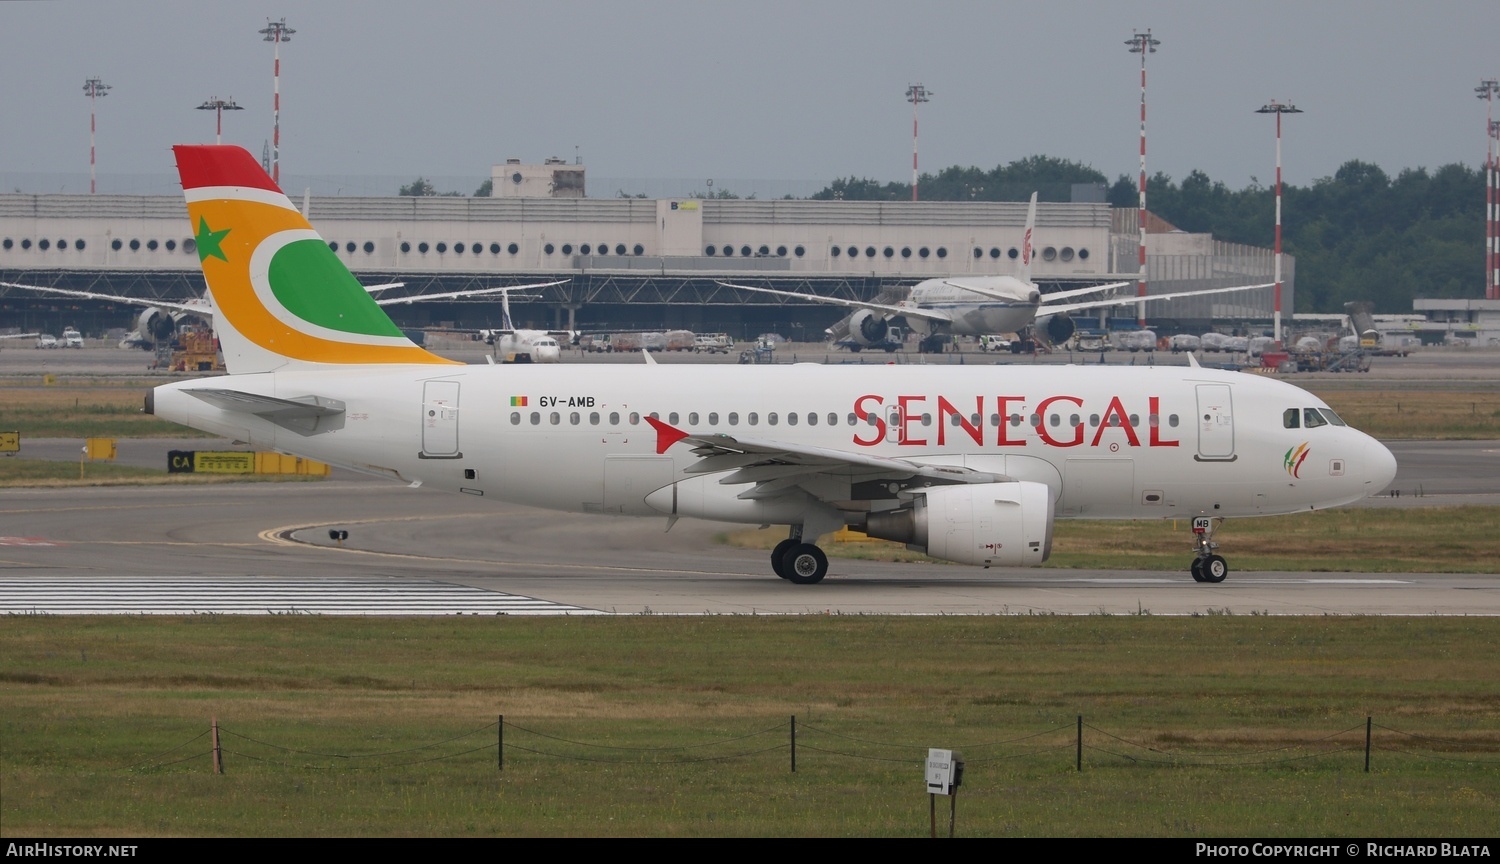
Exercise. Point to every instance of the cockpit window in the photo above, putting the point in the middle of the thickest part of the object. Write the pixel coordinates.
(1291, 418)
(1312, 419)
(1332, 417)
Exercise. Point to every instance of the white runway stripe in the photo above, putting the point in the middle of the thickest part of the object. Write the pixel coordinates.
(81, 596)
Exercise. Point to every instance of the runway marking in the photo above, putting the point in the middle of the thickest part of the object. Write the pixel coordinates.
(265, 596)
(26, 541)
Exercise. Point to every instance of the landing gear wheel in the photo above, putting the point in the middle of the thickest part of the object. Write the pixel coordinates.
(778, 556)
(1213, 569)
(805, 564)
(1197, 570)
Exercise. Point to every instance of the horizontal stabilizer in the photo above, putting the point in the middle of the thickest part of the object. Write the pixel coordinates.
(305, 415)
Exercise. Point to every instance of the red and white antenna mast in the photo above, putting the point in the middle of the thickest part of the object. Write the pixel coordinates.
(916, 94)
(93, 88)
(1487, 91)
(1142, 44)
(276, 32)
(1277, 108)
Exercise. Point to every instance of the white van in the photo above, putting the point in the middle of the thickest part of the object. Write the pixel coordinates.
(71, 338)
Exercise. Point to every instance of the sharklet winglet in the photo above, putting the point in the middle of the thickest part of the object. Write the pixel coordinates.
(666, 435)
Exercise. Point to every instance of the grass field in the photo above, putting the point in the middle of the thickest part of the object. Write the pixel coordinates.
(661, 726)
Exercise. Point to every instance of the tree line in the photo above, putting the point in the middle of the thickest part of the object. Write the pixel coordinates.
(1358, 235)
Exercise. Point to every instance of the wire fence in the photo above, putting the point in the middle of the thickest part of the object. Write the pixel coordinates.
(1090, 746)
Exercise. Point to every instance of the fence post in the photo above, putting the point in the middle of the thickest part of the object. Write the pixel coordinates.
(218, 751)
(794, 743)
(500, 745)
(1078, 759)
(1367, 744)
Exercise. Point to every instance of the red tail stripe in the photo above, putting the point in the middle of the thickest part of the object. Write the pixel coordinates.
(220, 165)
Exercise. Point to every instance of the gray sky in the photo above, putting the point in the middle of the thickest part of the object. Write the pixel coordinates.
(804, 90)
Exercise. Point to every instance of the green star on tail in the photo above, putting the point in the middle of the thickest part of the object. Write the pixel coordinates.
(208, 241)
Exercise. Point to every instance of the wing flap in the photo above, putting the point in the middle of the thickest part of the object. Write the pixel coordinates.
(305, 415)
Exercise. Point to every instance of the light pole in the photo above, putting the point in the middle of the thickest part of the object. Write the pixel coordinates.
(93, 88)
(276, 32)
(1487, 91)
(219, 106)
(1142, 44)
(916, 94)
(1278, 108)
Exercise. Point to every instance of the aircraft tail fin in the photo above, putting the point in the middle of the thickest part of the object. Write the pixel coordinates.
(505, 322)
(281, 296)
(1026, 248)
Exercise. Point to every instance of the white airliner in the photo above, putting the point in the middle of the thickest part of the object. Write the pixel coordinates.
(522, 345)
(160, 320)
(969, 464)
(982, 305)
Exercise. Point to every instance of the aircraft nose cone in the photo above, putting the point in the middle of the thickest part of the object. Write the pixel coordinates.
(1382, 466)
(1034, 297)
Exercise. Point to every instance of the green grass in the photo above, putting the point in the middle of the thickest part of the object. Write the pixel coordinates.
(85, 409)
(1231, 726)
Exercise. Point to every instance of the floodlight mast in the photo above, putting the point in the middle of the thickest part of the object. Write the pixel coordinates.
(916, 94)
(1278, 108)
(93, 88)
(219, 106)
(1142, 44)
(1487, 90)
(276, 32)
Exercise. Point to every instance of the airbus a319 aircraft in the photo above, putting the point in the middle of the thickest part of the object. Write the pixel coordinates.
(970, 464)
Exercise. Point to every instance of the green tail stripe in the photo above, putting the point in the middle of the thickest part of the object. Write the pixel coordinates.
(313, 284)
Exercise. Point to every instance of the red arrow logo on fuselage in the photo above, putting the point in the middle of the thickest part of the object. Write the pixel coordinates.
(666, 435)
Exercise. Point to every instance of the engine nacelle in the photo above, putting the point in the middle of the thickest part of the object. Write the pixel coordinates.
(985, 524)
(868, 327)
(1054, 329)
(156, 325)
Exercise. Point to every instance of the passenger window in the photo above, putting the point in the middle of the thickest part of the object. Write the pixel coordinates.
(593, 418)
(1015, 420)
(574, 418)
(752, 418)
(1135, 420)
(734, 418)
(1036, 420)
(994, 419)
(974, 420)
(536, 418)
(871, 419)
(1074, 420)
(1291, 418)
(1172, 421)
(554, 418)
(671, 418)
(614, 418)
(833, 419)
(515, 418)
(926, 419)
(1093, 419)
(692, 418)
(1056, 420)
(791, 418)
(713, 418)
(771, 418)
(1311, 419)
(634, 418)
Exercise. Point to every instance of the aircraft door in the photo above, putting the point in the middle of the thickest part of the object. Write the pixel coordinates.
(440, 420)
(894, 430)
(1215, 423)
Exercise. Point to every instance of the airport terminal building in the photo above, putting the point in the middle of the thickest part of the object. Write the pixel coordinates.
(630, 263)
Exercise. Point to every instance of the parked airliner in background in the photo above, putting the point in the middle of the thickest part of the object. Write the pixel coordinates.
(160, 320)
(522, 345)
(982, 305)
(968, 464)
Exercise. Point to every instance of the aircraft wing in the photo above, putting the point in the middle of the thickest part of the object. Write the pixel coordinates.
(1048, 309)
(472, 292)
(909, 311)
(20, 336)
(776, 466)
(202, 310)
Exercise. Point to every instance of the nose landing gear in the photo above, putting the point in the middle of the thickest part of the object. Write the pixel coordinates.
(1207, 566)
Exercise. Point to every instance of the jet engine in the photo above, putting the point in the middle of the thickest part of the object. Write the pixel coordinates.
(156, 325)
(1053, 329)
(868, 328)
(986, 524)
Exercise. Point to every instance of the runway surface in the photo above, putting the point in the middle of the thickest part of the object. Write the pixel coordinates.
(264, 549)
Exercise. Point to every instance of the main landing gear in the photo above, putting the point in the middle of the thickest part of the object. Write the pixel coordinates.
(1207, 566)
(798, 562)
